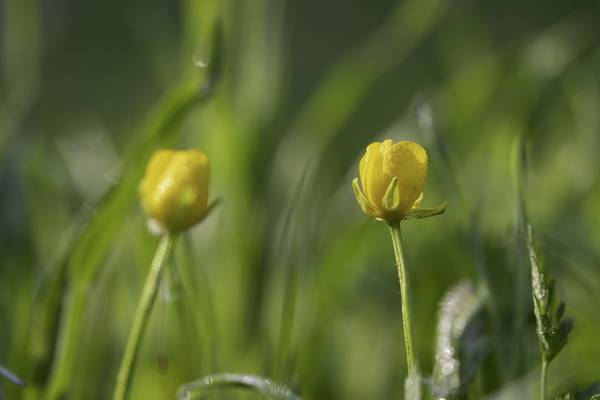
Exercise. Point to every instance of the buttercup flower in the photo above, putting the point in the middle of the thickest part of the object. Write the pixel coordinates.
(392, 176)
(174, 190)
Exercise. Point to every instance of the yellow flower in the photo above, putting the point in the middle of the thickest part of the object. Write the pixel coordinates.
(174, 190)
(392, 176)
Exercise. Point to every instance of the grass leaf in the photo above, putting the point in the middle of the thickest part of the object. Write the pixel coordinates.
(457, 360)
(552, 330)
(225, 381)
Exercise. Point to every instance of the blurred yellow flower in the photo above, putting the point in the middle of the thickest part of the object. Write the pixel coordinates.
(392, 176)
(174, 190)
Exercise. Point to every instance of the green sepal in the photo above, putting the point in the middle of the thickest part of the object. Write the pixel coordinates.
(391, 198)
(362, 200)
(420, 213)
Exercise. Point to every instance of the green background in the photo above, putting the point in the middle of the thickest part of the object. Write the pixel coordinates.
(288, 278)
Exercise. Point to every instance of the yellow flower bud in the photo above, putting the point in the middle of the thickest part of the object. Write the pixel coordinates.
(392, 176)
(174, 190)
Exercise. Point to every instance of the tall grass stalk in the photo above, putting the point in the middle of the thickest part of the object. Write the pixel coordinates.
(141, 318)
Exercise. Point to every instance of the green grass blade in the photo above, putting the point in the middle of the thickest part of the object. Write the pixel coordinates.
(288, 308)
(456, 359)
(212, 383)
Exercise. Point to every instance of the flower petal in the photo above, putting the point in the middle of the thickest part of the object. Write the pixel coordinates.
(408, 162)
(373, 181)
(363, 202)
(154, 170)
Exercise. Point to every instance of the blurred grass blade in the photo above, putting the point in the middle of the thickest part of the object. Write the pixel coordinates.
(521, 306)
(47, 304)
(20, 49)
(437, 143)
(195, 308)
(460, 347)
(5, 372)
(288, 242)
(413, 389)
(349, 80)
(212, 383)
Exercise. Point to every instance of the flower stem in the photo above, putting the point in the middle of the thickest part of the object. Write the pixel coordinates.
(141, 318)
(405, 298)
(543, 375)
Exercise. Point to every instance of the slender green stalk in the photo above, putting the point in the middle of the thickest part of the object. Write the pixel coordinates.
(405, 298)
(141, 318)
(543, 375)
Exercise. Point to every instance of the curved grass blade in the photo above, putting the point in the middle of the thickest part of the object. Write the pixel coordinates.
(567, 396)
(460, 348)
(259, 384)
(47, 301)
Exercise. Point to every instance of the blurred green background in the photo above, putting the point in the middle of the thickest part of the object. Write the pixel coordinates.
(287, 278)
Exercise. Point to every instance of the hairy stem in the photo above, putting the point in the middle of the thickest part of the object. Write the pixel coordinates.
(405, 298)
(141, 318)
(543, 375)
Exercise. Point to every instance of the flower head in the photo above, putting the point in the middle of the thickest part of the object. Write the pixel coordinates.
(392, 176)
(174, 190)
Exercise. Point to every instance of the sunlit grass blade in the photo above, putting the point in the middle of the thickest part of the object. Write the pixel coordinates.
(219, 382)
(460, 346)
(413, 386)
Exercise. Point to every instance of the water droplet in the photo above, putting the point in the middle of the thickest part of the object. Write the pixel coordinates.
(201, 58)
(198, 62)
